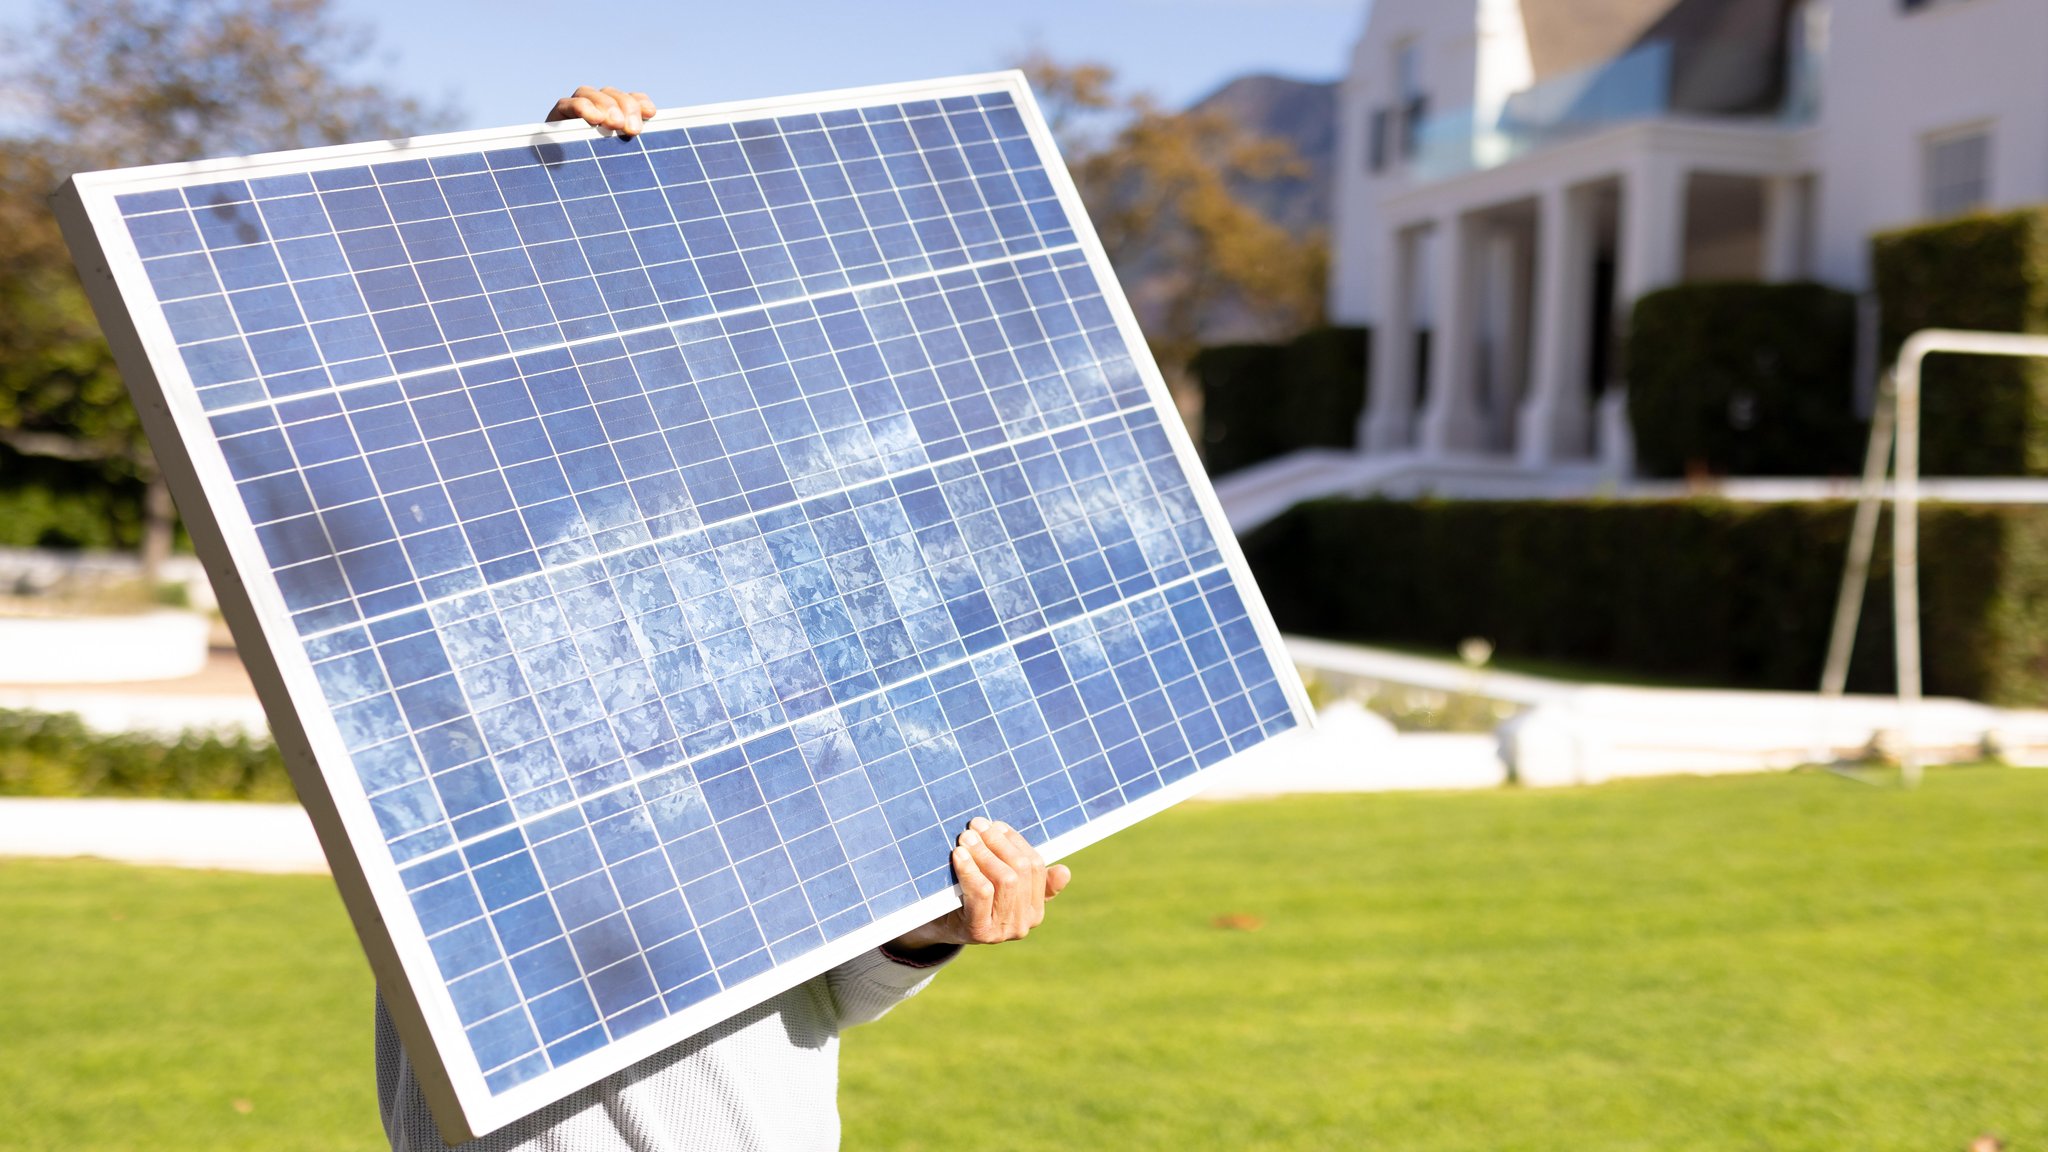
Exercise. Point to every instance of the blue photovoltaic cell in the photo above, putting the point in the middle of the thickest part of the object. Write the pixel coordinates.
(690, 533)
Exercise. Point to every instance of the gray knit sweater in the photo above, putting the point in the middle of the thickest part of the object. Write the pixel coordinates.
(766, 1079)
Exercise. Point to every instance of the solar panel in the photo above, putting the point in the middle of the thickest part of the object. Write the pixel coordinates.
(652, 552)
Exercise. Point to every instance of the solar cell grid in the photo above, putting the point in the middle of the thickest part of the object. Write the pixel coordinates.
(684, 536)
(408, 265)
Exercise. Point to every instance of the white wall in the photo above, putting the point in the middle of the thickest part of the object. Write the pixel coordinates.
(1449, 32)
(1893, 77)
(1501, 51)
(1354, 250)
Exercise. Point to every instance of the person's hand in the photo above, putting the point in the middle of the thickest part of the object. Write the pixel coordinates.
(622, 112)
(1004, 884)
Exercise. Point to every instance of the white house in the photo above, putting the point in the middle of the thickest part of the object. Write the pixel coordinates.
(1513, 174)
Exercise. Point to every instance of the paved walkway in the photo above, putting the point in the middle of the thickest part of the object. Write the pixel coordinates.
(181, 833)
(219, 697)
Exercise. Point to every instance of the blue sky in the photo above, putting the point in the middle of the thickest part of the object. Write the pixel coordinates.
(504, 61)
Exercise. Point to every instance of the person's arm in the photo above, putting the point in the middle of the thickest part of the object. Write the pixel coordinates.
(622, 112)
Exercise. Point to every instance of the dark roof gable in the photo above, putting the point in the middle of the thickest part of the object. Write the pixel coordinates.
(1727, 56)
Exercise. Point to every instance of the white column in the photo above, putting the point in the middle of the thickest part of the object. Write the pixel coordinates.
(1450, 418)
(1652, 230)
(1555, 421)
(1504, 336)
(1784, 229)
(1652, 257)
(1387, 421)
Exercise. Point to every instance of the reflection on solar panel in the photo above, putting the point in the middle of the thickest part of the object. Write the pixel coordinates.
(664, 546)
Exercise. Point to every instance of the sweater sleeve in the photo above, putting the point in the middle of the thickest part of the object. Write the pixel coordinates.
(867, 986)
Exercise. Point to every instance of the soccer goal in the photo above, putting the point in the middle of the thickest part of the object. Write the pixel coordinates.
(1895, 432)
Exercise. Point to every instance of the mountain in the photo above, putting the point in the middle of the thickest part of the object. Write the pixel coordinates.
(1302, 113)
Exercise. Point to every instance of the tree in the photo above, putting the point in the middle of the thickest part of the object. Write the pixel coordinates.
(1162, 188)
(126, 82)
(60, 395)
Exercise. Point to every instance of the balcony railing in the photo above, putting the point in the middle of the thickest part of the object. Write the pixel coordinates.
(1634, 86)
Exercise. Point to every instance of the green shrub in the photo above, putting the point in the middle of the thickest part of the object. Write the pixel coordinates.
(1265, 400)
(37, 517)
(1714, 591)
(47, 754)
(58, 504)
(1744, 380)
(1981, 415)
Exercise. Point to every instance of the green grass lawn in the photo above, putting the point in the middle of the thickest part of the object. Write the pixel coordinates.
(155, 1008)
(1788, 962)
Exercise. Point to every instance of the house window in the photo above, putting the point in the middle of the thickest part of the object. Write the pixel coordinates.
(1413, 111)
(1391, 131)
(1806, 54)
(1958, 172)
(1410, 104)
(1376, 140)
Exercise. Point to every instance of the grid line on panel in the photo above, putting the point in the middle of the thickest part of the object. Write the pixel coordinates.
(325, 528)
(604, 297)
(548, 735)
(839, 163)
(625, 549)
(1045, 241)
(617, 787)
(738, 186)
(449, 374)
(410, 267)
(298, 466)
(413, 269)
(934, 673)
(354, 594)
(900, 472)
(566, 939)
(565, 931)
(383, 344)
(719, 831)
(584, 341)
(640, 947)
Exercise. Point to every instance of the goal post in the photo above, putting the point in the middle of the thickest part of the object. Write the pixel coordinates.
(1895, 432)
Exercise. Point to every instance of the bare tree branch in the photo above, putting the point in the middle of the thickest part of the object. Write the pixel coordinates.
(55, 446)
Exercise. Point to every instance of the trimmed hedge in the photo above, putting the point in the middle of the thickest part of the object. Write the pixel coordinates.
(1744, 379)
(1981, 415)
(1265, 400)
(53, 754)
(56, 504)
(1719, 592)
(37, 517)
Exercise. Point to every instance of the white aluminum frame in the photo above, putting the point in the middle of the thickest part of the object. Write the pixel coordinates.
(300, 718)
(1905, 389)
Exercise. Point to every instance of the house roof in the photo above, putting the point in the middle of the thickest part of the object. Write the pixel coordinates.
(1727, 55)
(1567, 35)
